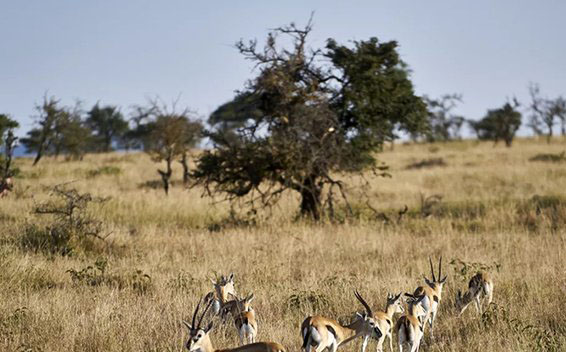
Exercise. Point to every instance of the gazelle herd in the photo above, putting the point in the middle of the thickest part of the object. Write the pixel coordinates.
(320, 333)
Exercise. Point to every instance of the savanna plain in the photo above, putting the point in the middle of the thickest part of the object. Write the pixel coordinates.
(478, 206)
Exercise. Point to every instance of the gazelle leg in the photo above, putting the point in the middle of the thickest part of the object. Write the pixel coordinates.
(365, 343)
(333, 347)
(321, 348)
(478, 304)
(431, 323)
(380, 344)
(390, 341)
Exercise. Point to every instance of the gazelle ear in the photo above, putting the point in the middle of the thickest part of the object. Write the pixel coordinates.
(250, 298)
(443, 280)
(231, 278)
(188, 325)
(208, 328)
(361, 315)
(429, 283)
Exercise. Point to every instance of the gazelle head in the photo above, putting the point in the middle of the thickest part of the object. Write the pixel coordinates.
(437, 282)
(198, 335)
(243, 304)
(369, 326)
(224, 286)
(415, 307)
(396, 302)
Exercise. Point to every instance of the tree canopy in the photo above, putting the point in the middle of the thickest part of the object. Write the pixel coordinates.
(499, 124)
(307, 115)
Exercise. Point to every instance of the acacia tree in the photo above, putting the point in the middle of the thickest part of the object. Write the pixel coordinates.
(40, 139)
(308, 115)
(108, 125)
(61, 130)
(545, 113)
(167, 136)
(499, 124)
(444, 124)
(7, 143)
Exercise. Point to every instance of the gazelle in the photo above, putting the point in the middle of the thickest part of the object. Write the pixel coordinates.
(322, 333)
(433, 294)
(199, 339)
(223, 288)
(245, 319)
(480, 286)
(409, 328)
(385, 319)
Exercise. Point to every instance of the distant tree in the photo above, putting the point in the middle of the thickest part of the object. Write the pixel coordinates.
(557, 108)
(41, 138)
(306, 116)
(61, 130)
(74, 137)
(7, 143)
(108, 125)
(545, 112)
(499, 124)
(444, 124)
(235, 114)
(168, 136)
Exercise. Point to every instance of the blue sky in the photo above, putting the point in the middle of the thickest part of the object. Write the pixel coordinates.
(123, 51)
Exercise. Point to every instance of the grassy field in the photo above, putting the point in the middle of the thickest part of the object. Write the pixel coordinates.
(498, 211)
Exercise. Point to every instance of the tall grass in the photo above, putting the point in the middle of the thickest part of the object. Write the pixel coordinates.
(499, 211)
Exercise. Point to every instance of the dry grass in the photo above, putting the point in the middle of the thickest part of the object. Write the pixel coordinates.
(487, 216)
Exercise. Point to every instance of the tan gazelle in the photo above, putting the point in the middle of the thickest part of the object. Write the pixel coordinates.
(199, 338)
(480, 287)
(223, 288)
(245, 319)
(409, 328)
(325, 333)
(433, 295)
(385, 319)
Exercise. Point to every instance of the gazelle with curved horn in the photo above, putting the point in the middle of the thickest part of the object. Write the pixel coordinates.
(409, 328)
(433, 295)
(321, 333)
(199, 338)
(480, 287)
(385, 319)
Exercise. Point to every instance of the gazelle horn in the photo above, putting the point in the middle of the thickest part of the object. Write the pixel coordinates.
(363, 302)
(431, 269)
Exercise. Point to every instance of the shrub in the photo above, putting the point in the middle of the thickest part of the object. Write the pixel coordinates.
(550, 158)
(71, 224)
(426, 163)
(98, 275)
(104, 170)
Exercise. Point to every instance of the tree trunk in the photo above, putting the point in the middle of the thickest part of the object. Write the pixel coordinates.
(186, 174)
(166, 176)
(37, 156)
(549, 135)
(310, 199)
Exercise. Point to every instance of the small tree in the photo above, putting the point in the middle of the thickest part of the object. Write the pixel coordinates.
(545, 113)
(108, 125)
(307, 115)
(444, 124)
(40, 139)
(168, 136)
(7, 143)
(499, 124)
